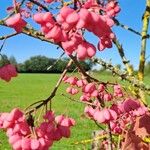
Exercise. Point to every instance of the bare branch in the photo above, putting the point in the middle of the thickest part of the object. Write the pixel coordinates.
(129, 28)
(8, 36)
(135, 82)
(123, 57)
(40, 5)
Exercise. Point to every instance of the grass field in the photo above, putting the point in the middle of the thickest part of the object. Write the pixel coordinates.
(28, 88)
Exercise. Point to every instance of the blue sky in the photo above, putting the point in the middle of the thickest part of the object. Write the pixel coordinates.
(23, 47)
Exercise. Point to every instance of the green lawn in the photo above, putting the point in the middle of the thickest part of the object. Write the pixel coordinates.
(29, 88)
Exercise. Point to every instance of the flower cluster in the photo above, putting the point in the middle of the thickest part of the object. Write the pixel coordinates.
(119, 113)
(66, 29)
(22, 133)
(7, 72)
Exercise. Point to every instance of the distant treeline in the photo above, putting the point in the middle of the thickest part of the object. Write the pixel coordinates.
(43, 64)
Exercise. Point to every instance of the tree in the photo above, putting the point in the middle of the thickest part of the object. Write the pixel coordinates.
(122, 110)
(38, 64)
(43, 64)
(12, 60)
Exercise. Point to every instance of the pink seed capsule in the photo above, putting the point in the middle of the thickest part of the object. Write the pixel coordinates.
(99, 117)
(110, 22)
(73, 80)
(63, 36)
(101, 88)
(110, 5)
(84, 14)
(72, 18)
(91, 50)
(65, 131)
(38, 17)
(74, 91)
(84, 98)
(54, 33)
(113, 114)
(94, 93)
(14, 138)
(58, 119)
(100, 46)
(112, 125)
(60, 19)
(48, 17)
(11, 70)
(17, 145)
(95, 17)
(35, 144)
(117, 9)
(65, 26)
(68, 46)
(45, 29)
(81, 52)
(106, 114)
(42, 143)
(89, 88)
(65, 11)
(80, 83)
(65, 122)
(26, 143)
(89, 111)
(48, 1)
(107, 97)
(81, 24)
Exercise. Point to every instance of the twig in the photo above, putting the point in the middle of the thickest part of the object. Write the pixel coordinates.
(128, 28)
(36, 34)
(122, 55)
(2, 45)
(135, 82)
(52, 94)
(99, 125)
(8, 36)
(41, 101)
(109, 138)
(56, 61)
(82, 102)
(83, 72)
(90, 140)
(40, 4)
(75, 4)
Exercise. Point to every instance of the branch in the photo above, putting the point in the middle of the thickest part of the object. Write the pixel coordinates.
(82, 102)
(135, 82)
(143, 41)
(50, 67)
(122, 55)
(36, 34)
(53, 93)
(2, 47)
(109, 138)
(142, 59)
(40, 4)
(8, 36)
(128, 28)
